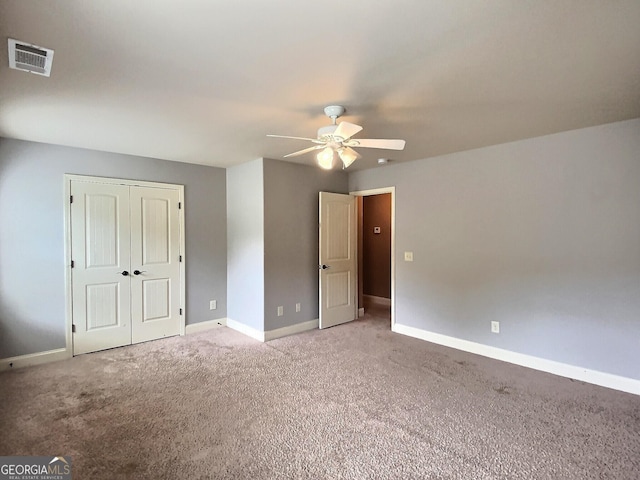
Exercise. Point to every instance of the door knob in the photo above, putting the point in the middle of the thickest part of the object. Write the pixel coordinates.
(324, 267)
(124, 273)
(138, 272)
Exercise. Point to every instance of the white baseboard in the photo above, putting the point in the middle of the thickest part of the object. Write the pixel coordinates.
(245, 329)
(272, 334)
(595, 377)
(291, 330)
(34, 359)
(361, 312)
(208, 325)
(385, 302)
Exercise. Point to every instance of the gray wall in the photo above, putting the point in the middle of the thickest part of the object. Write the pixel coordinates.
(245, 240)
(291, 221)
(32, 302)
(542, 235)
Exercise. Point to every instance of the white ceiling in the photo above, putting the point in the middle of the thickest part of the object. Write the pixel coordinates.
(205, 81)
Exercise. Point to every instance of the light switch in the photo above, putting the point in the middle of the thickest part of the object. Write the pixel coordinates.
(376, 229)
(408, 256)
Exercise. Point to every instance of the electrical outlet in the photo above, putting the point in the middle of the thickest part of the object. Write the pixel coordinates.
(297, 307)
(495, 327)
(408, 256)
(280, 311)
(213, 304)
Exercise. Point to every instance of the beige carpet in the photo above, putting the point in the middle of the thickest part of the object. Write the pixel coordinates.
(353, 402)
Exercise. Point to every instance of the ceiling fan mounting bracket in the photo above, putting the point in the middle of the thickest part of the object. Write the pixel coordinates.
(334, 112)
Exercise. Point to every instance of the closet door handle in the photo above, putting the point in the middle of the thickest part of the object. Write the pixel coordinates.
(138, 272)
(124, 273)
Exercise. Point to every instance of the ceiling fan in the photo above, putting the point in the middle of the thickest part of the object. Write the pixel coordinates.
(336, 138)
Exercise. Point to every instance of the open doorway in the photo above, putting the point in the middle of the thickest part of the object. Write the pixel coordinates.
(375, 253)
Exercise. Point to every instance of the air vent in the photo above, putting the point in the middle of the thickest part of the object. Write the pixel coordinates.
(30, 58)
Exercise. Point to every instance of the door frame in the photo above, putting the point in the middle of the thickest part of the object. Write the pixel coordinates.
(379, 191)
(68, 178)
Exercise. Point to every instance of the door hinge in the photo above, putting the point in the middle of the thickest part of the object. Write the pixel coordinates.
(179, 205)
(180, 311)
(73, 328)
(73, 264)
(180, 258)
(71, 199)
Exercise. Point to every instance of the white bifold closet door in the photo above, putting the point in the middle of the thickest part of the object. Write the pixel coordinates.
(125, 247)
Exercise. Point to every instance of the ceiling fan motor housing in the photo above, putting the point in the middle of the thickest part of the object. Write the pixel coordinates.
(326, 133)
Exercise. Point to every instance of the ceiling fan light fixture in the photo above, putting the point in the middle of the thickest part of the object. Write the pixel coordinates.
(338, 138)
(325, 158)
(347, 156)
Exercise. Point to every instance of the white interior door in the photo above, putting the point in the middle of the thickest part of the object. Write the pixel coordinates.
(101, 281)
(125, 280)
(155, 251)
(337, 259)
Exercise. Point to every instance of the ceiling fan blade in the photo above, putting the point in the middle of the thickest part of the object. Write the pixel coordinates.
(377, 143)
(348, 156)
(302, 152)
(346, 130)
(295, 138)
